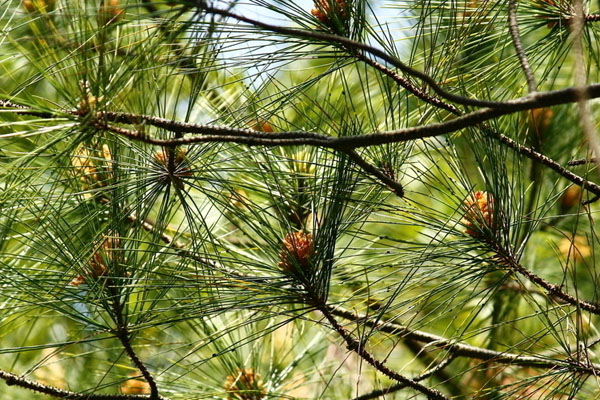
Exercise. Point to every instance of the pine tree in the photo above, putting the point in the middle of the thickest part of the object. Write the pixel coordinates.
(338, 199)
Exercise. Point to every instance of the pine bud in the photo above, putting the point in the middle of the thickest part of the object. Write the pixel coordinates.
(540, 120)
(570, 197)
(245, 384)
(110, 12)
(478, 212)
(297, 251)
(39, 5)
(135, 386)
(261, 126)
(93, 169)
(88, 104)
(325, 13)
(97, 266)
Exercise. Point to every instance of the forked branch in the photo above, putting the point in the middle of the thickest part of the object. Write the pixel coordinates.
(357, 347)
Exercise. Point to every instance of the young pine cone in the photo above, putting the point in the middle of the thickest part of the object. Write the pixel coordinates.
(39, 5)
(92, 166)
(135, 386)
(324, 12)
(297, 251)
(110, 12)
(97, 265)
(245, 384)
(478, 213)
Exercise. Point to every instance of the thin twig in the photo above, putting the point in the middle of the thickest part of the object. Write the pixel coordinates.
(376, 172)
(582, 161)
(407, 85)
(550, 163)
(592, 18)
(394, 388)
(25, 110)
(552, 289)
(14, 380)
(462, 349)
(455, 348)
(246, 136)
(346, 43)
(253, 138)
(123, 334)
(357, 347)
(259, 138)
(513, 27)
(585, 116)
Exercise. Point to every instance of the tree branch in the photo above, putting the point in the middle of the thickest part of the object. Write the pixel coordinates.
(357, 347)
(407, 85)
(382, 392)
(249, 137)
(592, 18)
(581, 161)
(551, 288)
(123, 334)
(254, 138)
(376, 172)
(463, 349)
(15, 380)
(346, 43)
(455, 348)
(513, 27)
(550, 163)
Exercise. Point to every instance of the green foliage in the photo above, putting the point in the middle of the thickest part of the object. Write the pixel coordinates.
(190, 252)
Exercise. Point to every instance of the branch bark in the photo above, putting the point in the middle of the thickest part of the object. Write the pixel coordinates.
(513, 27)
(357, 347)
(465, 350)
(14, 380)
(347, 43)
(394, 388)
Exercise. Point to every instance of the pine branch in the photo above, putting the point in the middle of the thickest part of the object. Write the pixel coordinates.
(249, 137)
(581, 161)
(212, 133)
(513, 27)
(394, 388)
(465, 350)
(357, 347)
(123, 334)
(14, 380)
(405, 83)
(552, 289)
(548, 162)
(354, 45)
(254, 138)
(394, 186)
(457, 349)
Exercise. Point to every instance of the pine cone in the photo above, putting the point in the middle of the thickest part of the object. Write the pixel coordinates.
(298, 251)
(245, 384)
(478, 213)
